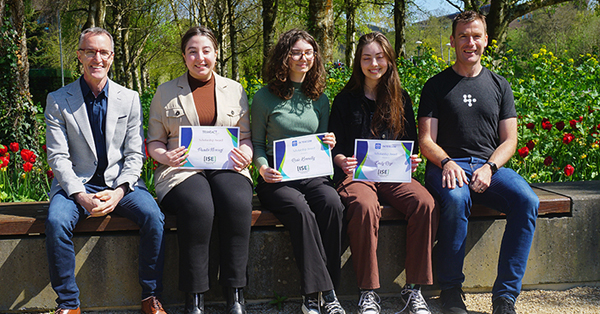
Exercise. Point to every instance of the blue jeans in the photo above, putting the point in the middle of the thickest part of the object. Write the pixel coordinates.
(63, 215)
(508, 193)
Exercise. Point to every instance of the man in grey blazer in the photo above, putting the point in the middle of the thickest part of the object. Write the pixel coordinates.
(95, 146)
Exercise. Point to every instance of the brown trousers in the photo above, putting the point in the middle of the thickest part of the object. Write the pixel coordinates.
(413, 200)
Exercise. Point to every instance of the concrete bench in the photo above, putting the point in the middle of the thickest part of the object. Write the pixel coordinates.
(28, 218)
(107, 250)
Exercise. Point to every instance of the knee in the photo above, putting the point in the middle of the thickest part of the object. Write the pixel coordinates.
(455, 204)
(364, 210)
(527, 205)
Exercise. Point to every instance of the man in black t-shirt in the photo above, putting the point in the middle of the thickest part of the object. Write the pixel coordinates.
(468, 131)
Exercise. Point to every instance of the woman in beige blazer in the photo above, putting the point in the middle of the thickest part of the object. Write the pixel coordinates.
(201, 97)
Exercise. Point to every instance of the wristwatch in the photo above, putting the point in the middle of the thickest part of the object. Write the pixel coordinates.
(445, 161)
(493, 167)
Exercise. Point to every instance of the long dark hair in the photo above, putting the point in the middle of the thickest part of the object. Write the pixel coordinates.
(389, 113)
(277, 74)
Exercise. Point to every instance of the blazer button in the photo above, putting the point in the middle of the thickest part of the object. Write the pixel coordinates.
(176, 113)
(232, 112)
(95, 163)
(83, 181)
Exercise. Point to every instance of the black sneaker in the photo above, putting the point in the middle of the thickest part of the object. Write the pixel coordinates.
(330, 303)
(503, 305)
(414, 300)
(452, 301)
(310, 304)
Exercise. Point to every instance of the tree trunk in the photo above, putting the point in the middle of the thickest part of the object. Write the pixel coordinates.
(220, 34)
(96, 14)
(269, 15)
(17, 11)
(233, 41)
(400, 25)
(351, 7)
(117, 68)
(320, 24)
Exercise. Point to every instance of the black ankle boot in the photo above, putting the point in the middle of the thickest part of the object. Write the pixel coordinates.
(194, 303)
(235, 300)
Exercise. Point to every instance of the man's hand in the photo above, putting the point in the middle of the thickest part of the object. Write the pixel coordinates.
(453, 174)
(88, 201)
(481, 179)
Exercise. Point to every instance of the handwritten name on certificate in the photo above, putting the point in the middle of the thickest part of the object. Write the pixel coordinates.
(383, 161)
(302, 157)
(208, 147)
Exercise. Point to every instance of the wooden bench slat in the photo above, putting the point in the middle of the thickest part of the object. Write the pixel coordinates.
(28, 218)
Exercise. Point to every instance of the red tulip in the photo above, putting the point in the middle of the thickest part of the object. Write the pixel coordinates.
(568, 138)
(3, 150)
(569, 170)
(530, 144)
(573, 124)
(28, 155)
(546, 125)
(530, 125)
(45, 149)
(27, 166)
(523, 152)
(548, 161)
(580, 118)
(560, 125)
(14, 147)
(50, 175)
(4, 162)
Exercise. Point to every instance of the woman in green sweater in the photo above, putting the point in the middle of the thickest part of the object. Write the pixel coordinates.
(293, 104)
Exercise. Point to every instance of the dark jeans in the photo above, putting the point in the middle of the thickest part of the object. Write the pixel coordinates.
(64, 213)
(508, 193)
(311, 210)
(196, 201)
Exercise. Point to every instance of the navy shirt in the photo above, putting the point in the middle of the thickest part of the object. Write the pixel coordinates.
(96, 109)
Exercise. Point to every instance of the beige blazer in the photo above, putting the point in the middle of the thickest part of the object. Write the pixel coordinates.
(70, 141)
(173, 106)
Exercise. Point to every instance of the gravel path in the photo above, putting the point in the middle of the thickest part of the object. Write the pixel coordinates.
(580, 300)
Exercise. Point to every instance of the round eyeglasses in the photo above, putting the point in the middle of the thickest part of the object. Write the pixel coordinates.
(297, 54)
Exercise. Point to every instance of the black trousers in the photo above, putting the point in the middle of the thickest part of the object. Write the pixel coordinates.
(312, 212)
(196, 201)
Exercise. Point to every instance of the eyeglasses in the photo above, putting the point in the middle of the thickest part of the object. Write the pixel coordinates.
(91, 53)
(297, 55)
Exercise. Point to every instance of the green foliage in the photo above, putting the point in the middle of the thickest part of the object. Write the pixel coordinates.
(17, 114)
(278, 300)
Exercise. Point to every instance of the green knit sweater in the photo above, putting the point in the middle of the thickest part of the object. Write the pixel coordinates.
(274, 119)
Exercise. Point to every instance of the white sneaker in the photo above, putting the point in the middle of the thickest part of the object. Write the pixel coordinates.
(414, 301)
(310, 305)
(369, 302)
(330, 303)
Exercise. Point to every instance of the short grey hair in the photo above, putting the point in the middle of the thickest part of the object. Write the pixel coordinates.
(97, 31)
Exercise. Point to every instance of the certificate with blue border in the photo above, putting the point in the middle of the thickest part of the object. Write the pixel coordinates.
(302, 157)
(208, 147)
(383, 160)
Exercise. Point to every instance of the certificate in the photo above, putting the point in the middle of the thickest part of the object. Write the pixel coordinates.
(208, 147)
(302, 157)
(383, 160)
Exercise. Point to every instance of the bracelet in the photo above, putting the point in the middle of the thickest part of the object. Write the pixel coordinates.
(445, 161)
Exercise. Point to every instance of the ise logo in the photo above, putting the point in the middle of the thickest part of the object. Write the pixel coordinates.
(303, 168)
(294, 143)
(383, 172)
(210, 159)
(377, 145)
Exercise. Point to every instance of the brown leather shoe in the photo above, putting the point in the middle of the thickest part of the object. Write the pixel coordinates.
(68, 311)
(151, 305)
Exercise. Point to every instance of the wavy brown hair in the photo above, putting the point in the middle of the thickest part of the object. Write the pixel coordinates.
(277, 74)
(389, 113)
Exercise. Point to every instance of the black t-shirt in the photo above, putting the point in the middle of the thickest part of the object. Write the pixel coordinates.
(468, 110)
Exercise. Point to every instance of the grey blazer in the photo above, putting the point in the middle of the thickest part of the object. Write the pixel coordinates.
(70, 142)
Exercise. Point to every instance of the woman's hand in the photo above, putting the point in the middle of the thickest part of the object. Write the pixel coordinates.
(329, 139)
(269, 174)
(174, 158)
(348, 164)
(240, 159)
(414, 162)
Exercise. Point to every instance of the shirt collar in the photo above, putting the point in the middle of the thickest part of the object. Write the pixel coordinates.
(85, 89)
